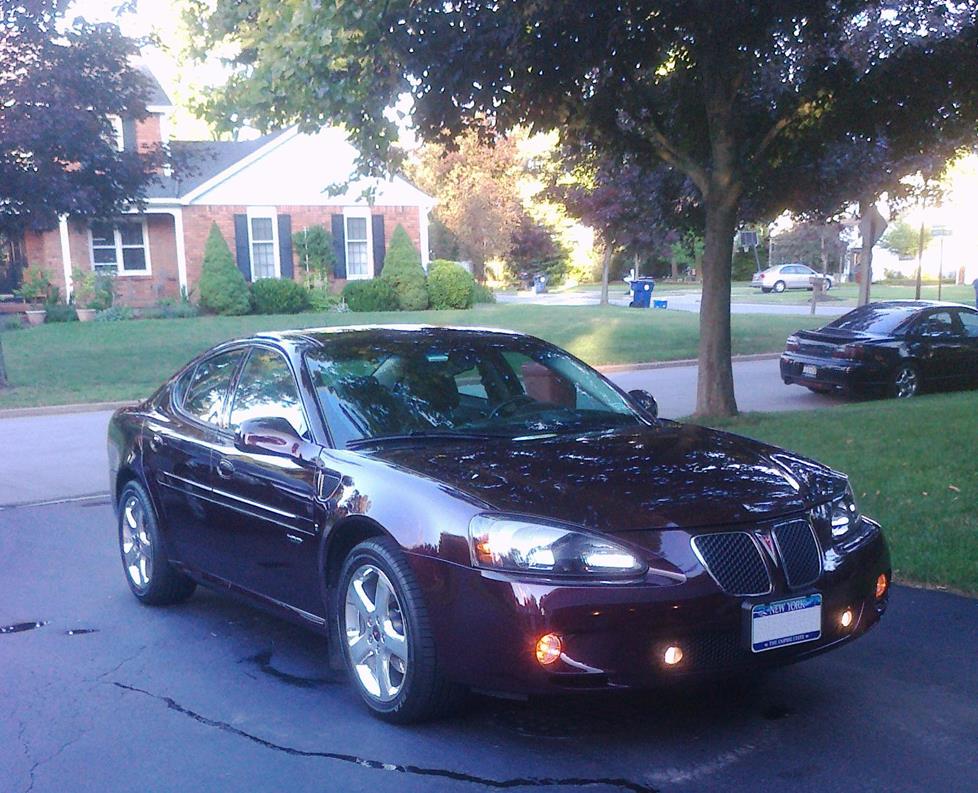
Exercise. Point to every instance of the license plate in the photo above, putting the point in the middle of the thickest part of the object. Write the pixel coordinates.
(785, 622)
(809, 371)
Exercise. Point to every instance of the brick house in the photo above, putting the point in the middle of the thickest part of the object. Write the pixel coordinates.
(258, 192)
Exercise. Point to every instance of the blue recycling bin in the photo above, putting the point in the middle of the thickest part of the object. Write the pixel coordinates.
(641, 292)
(540, 284)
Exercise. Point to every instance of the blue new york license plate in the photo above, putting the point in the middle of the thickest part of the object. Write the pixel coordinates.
(786, 622)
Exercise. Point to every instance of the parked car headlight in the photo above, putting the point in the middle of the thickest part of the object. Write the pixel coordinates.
(844, 514)
(524, 546)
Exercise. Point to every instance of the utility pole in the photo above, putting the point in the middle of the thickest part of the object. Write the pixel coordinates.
(920, 255)
(871, 227)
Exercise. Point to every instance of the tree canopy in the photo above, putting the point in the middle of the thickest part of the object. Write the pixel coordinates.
(769, 105)
(60, 85)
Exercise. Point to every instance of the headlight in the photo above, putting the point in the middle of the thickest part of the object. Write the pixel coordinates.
(523, 546)
(844, 514)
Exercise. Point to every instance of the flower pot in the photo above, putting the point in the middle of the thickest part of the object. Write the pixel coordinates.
(35, 316)
(85, 314)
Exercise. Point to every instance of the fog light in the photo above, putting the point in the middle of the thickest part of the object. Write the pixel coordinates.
(846, 619)
(549, 648)
(673, 655)
(882, 584)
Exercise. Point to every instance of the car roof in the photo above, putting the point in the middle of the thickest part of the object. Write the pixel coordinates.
(320, 336)
(917, 305)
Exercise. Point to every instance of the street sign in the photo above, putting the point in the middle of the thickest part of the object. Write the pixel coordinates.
(940, 231)
(872, 225)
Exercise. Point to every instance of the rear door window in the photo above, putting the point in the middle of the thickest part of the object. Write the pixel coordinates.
(208, 388)
(969, 319)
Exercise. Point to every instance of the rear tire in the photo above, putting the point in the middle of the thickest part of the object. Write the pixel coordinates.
(381, 616)
(780, 286)
(766, 290)
(905, 382)
(151, 577)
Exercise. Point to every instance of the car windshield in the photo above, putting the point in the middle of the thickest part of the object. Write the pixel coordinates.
(878, 319)
(374, 386)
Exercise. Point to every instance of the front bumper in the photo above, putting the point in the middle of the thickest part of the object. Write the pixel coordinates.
(614, 635)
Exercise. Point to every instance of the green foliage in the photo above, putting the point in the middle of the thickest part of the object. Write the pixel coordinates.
(278, 296)
(223, 289)
(115, 314)
(403, 271)
(450, 285)
(314, 247)
(8, 322)
(168, 308)
(483, 294)
(92, 289)
(59, 312)
(903, 239)
(321, 300)
(374, 295)
(35, 286)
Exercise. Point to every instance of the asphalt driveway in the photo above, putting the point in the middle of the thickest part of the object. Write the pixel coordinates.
(99, 693)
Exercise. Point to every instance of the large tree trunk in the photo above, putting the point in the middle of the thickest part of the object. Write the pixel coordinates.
(605, 266)
(715, 387)
(865, 258)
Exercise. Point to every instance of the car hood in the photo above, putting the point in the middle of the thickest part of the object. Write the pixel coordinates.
(667, 476)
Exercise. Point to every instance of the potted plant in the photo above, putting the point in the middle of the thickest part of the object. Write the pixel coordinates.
(84, 295)
(34, 290)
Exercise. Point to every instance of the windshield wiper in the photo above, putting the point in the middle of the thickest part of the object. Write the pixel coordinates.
(420, 435)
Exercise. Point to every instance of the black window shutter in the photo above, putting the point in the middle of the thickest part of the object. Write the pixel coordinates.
(285, 244)
(380, 246)
(339, 246)
(242, 250)
(128, 134)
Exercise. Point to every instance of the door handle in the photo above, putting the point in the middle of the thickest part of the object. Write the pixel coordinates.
(225, 469)
(155, 442)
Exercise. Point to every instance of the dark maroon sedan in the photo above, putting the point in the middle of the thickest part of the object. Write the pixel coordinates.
(461, 508)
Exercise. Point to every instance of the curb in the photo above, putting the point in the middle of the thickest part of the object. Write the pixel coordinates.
(56, 410)
(633, 367)
(93, 407)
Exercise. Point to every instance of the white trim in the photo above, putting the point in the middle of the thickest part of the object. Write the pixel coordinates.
(118, 128)
(120, 271)
(358, 212)
(270, 213)
(423, 236)
(159, 108)
(65, 255)
(181, 252)
(244, 162)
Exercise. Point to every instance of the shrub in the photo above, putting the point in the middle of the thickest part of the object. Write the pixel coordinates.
(115, 314)
(11, 322)
(450, 285)
(403, 271)
(375, 295)
(35, 286)
(103, 291)
(59, 312)
(483, 294)
(223, 288)
(168, 308)
(278, 296)
(314, 247)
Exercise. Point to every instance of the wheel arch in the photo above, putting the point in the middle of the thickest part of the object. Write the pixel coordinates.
(345, 534)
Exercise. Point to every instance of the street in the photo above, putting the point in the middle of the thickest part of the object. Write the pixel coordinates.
(63, 456)
(102, 694)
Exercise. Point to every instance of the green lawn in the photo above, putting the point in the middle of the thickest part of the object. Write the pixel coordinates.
(913, 466)
(846, 295)
(91, 362)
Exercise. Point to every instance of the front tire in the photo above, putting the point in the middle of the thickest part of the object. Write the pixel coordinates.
(905, 382)
(766, 290)
(386, 637)
(151, 577)
(780, 286)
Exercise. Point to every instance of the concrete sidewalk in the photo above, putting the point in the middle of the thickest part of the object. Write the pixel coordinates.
(61, 456)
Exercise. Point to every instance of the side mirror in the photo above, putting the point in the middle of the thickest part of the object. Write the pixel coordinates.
(645, 401)
(276, 436)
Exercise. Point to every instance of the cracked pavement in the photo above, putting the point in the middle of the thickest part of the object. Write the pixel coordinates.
(98, 693)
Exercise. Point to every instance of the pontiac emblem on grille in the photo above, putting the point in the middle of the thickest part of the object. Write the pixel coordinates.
(768, 542)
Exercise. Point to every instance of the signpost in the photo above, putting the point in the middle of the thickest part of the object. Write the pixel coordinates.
(871, 227)
(941, 232)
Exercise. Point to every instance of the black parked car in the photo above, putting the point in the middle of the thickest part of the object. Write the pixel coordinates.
(897, 347)
(462, 508)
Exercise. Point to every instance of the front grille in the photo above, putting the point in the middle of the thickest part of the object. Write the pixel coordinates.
(799, 552)
(733, 560)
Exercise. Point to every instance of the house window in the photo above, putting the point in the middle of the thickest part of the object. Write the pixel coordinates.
(264, 248)
(357, 248)
(120, 248)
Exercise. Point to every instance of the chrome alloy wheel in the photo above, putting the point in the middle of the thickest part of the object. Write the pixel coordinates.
(137, 545)
(906, 382)
(376, 633)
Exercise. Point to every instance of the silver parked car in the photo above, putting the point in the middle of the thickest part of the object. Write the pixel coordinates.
(788, 276)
